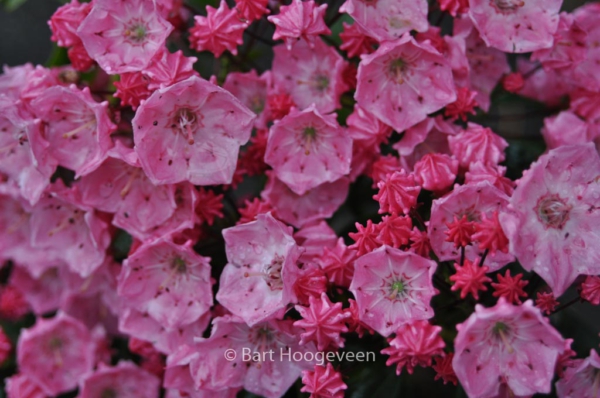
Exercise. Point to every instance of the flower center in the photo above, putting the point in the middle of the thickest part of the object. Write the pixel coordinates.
(507, 5)
(185, 122)
(396, 289)
(398, 69)
(309, 135)
(320, 83)
(271, 273)
(179, 265)
(552, 211)
(135, 32)
(501, 331)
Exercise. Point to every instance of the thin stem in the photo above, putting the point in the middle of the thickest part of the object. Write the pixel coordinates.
(566, 305)
(263, 40)
(483, 256)
(462, 256)
(417, 216)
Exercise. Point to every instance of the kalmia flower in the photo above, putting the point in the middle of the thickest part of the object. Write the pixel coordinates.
(65, 21)
(191, 131)
(515, 26)
(210, 206)
(479, 171)
(125, 379)
(355, 325)
(338, 263)
(392, 288)
(510, 288)
(55, 353)
(444, 370)
(477, 143)
(79, 57)
(454, 7)
(551, 227)
(464, 105)
(366, 238)
(279, 105)
(323, 322)
(323, 382)
(167, 68)
(5, 347)
(523, 345)
(398, 193)
(436, 172)
(220, 30)
(546, 302)
(566, 128)
(132, 88)
(420, 242)
(76, 129)
(581, 379)
(404, 81)
(311, 75)
(364, 126)
(513, 82)
(355, 42)
(252, 209)
(394, 230)
(251, 90)
(460, 231)
(387, 20)
(123, 36)
(415, 344)
(21, 386)
(252, 9)
(311, 283)
(489, 234)
(258, 279)
(307, 149)
(382, 166)
(300, 20)
(13, 304)
(470, 278)
(590, 289)
(259, 375)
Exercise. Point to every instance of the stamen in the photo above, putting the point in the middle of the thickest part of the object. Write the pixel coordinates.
(79, 129)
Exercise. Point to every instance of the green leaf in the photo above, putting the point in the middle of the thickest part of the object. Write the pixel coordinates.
(11, 5)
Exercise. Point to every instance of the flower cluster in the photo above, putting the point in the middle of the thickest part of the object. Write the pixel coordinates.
(162, 210)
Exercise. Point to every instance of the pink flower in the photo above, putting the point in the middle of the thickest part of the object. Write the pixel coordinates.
(420, 243)
(323, 382)
(315, 204)
(489, 234)
(436, 172)
(516, 26)
(566, 128)
(477, 144)
(381, 166)
(338, 263)
(415, 344)
(581, 380)
(513, 82)
(252, 9)
(394, 230)
(260, 374)
(125, 379)
(299, 20)
(253, 209)
(220, 30)
(311, 283)
(460, 231)
(398, 193)
(323, 322)
(132, 88)
(257, 282)
(366, 239)
(454, 7)
(387, 20)
(76, 129)
(470, 278)
(506, 343)
(171, 282)
(585, 74)
(79, 57)
(123, 36)
(310, 75)
(191, 131)
(168, 68)
(251, 89)
(493, 174)
(5, 347)
(444, 370)
(210, 206)
(486, 65)
(56, 353)
(392, 287)
(464, 105)
(65, 21)
(354, 41)
(551, 222)
(70, 232)
(13, 304)
(21, 386)
(510, 288)
(364, 126)
(590, 289)
(472, 201)
(17, 161)
(307, 149)
(404, 81)
(546, 302)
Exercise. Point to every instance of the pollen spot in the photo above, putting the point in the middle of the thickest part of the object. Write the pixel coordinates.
(507, 6)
